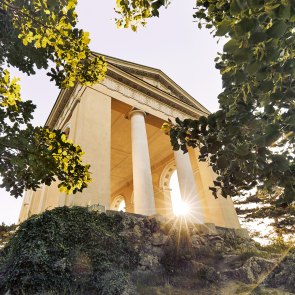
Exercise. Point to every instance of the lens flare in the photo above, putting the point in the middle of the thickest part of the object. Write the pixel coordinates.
(181, 209)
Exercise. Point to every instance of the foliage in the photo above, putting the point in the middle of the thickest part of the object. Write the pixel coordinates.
(33, 155)
(134, 13)
(264, 206)
(177, 251)
(67, 251)
(250, 140)
(6, 228)
(32, 34)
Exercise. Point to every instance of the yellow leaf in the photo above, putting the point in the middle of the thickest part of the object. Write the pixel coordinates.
(63, 138)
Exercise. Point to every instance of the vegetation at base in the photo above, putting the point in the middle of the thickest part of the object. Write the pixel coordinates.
(177, 251)
(6, 228)
(67, 251)
(76, 251)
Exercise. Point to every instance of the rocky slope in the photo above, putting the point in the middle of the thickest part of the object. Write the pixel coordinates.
(74, 251)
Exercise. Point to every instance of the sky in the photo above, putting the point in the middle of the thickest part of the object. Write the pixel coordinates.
(172, 43)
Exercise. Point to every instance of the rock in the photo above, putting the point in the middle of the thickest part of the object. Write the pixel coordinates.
(148, 262)
(242, 233)
(137, 231)
(250, 272)
(283, 276)
(97, 208)
(197, 241)
(207, 228)
(215, 238)
(205, 272)
(159, 239)
(159, 218)
(217, 242)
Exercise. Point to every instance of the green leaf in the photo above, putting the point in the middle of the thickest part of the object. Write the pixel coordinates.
(223, 27)
(253, 67)
(291, 120)
(257, 37)
(259, 140)
(222, 162)
(289, 66)
(285, 11)
(242, 54)
(266, 85)
(231, 46)
(245, 25)
(243, 149)
(272, 132)
(236, 6)
(277, 29)
(281, 163)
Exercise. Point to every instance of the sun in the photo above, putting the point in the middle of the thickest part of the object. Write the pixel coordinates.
(180, 208)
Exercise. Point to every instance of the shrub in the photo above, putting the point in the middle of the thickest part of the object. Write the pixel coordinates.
(65, 251)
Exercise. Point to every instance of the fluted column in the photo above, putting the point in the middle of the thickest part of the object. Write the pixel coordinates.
(187, 185)
(144, 202)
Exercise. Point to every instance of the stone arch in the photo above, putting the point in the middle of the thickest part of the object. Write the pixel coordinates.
(166, 176)
(117, 202)
(165, 188)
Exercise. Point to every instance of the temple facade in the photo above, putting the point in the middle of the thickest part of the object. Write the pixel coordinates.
(118, 125)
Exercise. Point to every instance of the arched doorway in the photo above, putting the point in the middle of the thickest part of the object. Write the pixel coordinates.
(118, 204)
(170, 186)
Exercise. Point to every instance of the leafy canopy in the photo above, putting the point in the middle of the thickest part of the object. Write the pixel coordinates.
(32, 34)
(249, 141)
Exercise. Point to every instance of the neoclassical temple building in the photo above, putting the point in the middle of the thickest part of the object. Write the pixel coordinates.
(118, 125)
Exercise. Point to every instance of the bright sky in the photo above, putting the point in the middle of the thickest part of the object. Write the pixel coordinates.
(172, 43)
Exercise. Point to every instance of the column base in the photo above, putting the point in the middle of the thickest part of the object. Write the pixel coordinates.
(97, 208)
(242, 233)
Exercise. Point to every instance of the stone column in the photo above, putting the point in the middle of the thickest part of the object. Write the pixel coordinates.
(187, 185)
(221, 211)
(144, 202)
(24, 212)
(92, 131)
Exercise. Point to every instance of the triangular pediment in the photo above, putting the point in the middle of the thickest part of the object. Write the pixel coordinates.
(146, 81)
(154, 78)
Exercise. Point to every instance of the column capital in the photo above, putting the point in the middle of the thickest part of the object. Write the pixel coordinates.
(136, 111)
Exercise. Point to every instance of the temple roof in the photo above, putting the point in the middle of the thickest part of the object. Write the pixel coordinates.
(149, 81)
(153, 77)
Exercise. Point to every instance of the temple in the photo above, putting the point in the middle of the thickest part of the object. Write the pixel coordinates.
(118, 125)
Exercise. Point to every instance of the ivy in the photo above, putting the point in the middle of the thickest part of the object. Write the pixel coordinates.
(67, 251)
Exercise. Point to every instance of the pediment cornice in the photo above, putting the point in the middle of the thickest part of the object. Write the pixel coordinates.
(168, 85)
(154, 92)
(134, 76)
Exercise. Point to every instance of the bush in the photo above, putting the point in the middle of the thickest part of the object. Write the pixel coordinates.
(283, 276)
(66, 251)
(177, 251)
